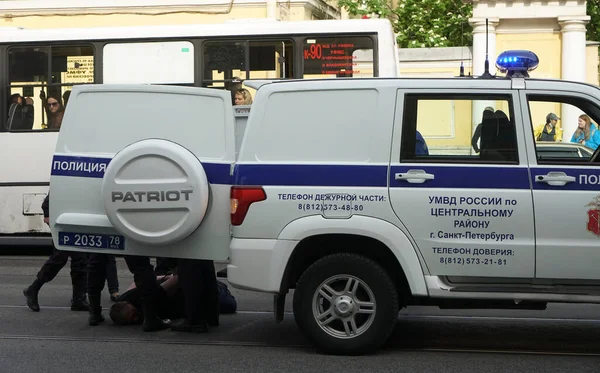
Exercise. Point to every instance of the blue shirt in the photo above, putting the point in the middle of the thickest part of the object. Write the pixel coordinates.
(593, 142)
(421, 145)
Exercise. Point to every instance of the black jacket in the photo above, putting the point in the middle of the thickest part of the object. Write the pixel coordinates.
(46, 206)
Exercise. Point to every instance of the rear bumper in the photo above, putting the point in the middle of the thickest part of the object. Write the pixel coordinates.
(258, 264)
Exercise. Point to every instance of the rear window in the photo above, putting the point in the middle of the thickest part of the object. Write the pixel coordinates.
(330, 125)
(107, 121)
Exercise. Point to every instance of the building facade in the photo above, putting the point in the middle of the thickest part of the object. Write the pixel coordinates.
(103, 13)
(555, 31)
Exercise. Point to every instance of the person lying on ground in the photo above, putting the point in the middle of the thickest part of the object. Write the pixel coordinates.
(127, 310)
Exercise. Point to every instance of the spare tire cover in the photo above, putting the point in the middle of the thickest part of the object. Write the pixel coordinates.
(155, 192)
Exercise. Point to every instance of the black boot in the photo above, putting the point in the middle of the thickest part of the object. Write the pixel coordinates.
(31, 294)
(152, 322)
(95, 309)
(79, 304)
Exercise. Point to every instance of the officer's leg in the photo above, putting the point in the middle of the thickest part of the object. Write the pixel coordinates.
(210, 292)
(162, 266)
(78, 280)
(111, 278)
(190, 279)
(49, 270)
(96, 276)
(145, 281)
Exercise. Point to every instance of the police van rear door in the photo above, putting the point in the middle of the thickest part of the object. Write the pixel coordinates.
(144, 170)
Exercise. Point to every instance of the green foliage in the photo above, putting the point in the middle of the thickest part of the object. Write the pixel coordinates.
(420, 23)
(593, 27)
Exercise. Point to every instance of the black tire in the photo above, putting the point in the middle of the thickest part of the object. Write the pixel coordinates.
(381, 286)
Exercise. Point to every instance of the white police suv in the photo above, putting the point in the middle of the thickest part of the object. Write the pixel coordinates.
(353, 192)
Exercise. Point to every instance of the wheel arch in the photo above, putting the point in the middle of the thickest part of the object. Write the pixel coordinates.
(374, 238)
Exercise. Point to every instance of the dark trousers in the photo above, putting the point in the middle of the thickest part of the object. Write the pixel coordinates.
(112, 279)
(57, 261)
(164, 265)
(143, 275)
(199, 283)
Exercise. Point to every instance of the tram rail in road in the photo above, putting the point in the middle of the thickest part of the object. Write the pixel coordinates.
(248, 321)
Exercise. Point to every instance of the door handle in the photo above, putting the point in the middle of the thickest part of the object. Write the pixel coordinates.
(555, 178)
(415, 176)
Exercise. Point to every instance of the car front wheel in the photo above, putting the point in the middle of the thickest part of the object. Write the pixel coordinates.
(346, 304)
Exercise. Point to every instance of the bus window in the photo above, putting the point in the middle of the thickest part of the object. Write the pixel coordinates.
(224, 61)
(338, 57)
(167, 62)
(228, 63)
(28, 65)
(38, 75)
(72, 65)
(271, 59)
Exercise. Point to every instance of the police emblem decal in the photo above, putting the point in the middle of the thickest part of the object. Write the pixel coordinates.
(593, 223)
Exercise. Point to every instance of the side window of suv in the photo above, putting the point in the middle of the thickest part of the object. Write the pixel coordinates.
(456, 128)
(566, 129)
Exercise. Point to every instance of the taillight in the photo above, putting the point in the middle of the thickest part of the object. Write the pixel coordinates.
(241, 199)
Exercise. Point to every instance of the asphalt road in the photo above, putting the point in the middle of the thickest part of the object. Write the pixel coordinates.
(564, 338)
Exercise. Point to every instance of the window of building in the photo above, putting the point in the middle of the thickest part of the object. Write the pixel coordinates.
(441, 128)
(40, 82)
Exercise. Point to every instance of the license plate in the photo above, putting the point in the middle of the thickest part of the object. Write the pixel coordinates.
(92, 241)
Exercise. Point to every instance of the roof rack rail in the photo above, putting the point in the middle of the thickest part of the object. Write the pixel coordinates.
(256, 84)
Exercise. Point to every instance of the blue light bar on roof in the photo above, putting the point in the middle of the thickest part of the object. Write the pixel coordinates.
(517, 61)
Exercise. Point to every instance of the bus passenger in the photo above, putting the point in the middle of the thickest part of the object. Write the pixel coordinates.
(20, 113)
(28, 114)
(15, 111)
(54, 110)
(65, 97)
(243, 97)
(233, 86)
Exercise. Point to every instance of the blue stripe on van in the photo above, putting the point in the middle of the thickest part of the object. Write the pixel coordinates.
(448, 176)
(377, 176)
(75, 166)
(94, 167)
(311, 175)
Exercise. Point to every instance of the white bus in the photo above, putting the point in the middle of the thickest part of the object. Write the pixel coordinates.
(40, 66)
